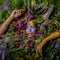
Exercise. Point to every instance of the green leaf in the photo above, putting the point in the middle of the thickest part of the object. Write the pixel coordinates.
(5, 14)
(0, 16)
(1, 2)
(7, 39)
(16, 4)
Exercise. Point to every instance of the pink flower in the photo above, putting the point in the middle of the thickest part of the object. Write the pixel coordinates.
(29, 16)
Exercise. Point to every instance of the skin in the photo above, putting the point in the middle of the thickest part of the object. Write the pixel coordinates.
(17, 13)
(4, 26)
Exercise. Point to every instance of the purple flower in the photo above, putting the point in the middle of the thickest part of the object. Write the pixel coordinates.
(29, 16)
(0, 52)
(57, 44)
(5, 7)
(22, 43)
(3, 55)
(3, 51)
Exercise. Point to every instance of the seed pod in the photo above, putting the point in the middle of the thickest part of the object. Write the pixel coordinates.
(48, 13)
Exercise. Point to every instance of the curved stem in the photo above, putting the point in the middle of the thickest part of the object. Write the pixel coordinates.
(53, 35)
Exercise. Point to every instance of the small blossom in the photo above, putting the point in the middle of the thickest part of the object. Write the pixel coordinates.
(29, 16)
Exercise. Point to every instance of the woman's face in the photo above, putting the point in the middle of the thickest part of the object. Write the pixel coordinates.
(30, 30)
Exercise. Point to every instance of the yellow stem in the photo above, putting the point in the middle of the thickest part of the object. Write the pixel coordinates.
(53, 35)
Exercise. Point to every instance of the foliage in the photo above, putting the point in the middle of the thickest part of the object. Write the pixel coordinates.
(0, 14)
(1, 2)
(5, 14)
(16, 4)
(15, 49)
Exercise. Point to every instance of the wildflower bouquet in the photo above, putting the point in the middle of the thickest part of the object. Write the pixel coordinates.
(27, 31)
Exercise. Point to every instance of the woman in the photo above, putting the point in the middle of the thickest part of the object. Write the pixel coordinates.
(3, 28)
(17, 13)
